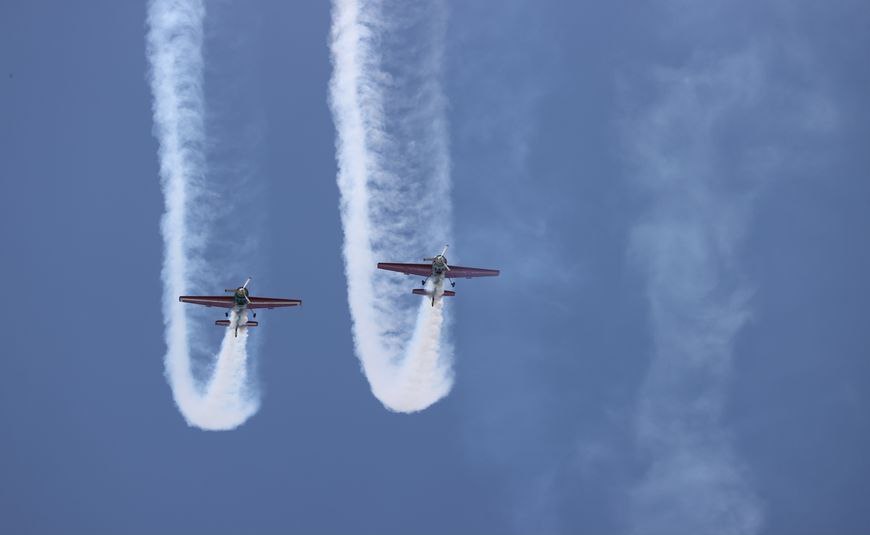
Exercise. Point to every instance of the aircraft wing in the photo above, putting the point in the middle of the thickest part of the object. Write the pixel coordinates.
(459, 272)
(272, 302)
(223, 301)
(423, 270)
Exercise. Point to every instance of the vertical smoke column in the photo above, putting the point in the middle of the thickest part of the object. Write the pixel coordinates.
(174, 47)
(389, 111)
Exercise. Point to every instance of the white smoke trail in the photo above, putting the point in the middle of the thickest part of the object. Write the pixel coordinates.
(393, 176)
(175, 54)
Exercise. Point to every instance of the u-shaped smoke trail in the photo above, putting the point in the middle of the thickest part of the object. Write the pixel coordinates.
(174, 39)
(389, 112)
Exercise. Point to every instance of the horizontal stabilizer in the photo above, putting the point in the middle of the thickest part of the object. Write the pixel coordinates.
(226, 323)
(420, 291)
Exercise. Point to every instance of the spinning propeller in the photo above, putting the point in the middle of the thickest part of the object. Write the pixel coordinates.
(243, 288)
(440, 258)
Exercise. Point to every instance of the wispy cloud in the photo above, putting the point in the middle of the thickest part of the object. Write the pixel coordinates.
(716, 133)
(687, 244)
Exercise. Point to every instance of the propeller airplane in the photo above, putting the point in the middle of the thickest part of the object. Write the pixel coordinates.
(437, 270)
(239, 302)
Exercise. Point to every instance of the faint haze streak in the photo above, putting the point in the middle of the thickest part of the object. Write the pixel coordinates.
(388, 108)
(687, 244)
(174, 49)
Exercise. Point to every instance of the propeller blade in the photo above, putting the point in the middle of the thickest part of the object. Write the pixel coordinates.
(245, 285)
(445, 250)
(248, 299)
(446, 266)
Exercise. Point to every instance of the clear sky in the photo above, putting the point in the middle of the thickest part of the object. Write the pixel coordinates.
(677, 197)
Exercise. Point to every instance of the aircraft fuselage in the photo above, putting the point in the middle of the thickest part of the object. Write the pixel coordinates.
(240, 297)
(240, 306)
(439, 266)
(439, 272)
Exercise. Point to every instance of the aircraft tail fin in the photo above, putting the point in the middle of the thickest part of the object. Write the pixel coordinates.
(420, 291)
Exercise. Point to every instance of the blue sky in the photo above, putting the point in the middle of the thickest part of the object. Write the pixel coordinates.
(645, 175)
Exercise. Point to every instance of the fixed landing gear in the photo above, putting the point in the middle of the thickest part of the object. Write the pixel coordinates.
(452, 284)
(255, 314)
(226, 314)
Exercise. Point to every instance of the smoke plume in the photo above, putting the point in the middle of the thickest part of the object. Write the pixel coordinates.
(389, 111)
(226, 397)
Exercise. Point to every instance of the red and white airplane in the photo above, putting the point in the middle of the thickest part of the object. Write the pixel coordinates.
(240, 301)
(438, 270)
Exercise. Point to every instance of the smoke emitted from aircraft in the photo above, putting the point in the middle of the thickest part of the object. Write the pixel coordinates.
(424, 374)
(226, 400)
(389, 111)
(174, 48)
